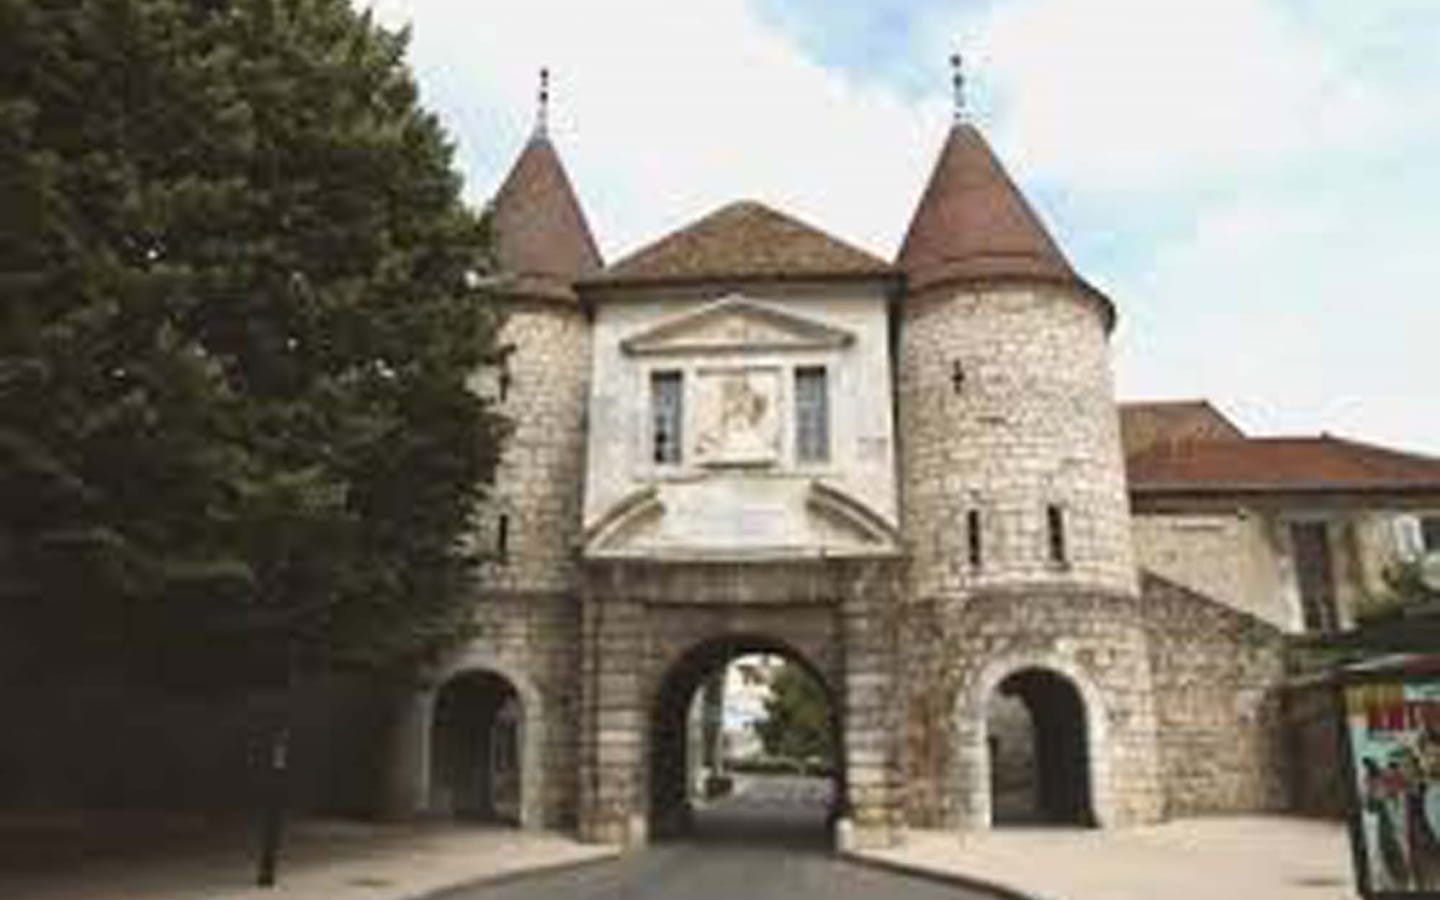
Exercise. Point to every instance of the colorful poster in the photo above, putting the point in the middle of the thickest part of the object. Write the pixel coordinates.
(1394, 737)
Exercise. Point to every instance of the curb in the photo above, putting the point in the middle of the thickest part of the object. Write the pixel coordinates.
(441, 893)
(954, 879)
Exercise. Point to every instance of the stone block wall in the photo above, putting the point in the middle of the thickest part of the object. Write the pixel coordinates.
(956, 657)
(1006, 406)
(1218, 676)
(531, 640)
(1230, 557)
(540, 479)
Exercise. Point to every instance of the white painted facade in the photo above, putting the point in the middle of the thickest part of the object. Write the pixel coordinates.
(740, 490)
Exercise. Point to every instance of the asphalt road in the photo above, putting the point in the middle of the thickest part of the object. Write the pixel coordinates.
(767, 842)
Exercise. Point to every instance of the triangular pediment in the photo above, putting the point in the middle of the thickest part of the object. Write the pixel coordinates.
(736, 324)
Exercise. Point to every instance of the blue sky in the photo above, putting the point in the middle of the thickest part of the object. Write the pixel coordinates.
(1255, 182)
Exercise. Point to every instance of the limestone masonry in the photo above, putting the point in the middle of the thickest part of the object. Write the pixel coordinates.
(912, 478)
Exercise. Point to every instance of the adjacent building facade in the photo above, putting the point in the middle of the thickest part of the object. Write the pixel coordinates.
(907, 476)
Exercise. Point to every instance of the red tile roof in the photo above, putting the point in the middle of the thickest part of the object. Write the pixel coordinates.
(542, 241)
(1279, 464)
(1142, 425)
(744, 240)
(973, 224)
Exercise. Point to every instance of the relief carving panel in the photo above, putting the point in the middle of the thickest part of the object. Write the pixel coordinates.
(737, 414)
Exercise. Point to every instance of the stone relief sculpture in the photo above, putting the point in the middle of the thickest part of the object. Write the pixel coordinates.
(738, 417)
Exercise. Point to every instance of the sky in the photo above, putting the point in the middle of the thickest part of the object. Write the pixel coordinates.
(1255, 183)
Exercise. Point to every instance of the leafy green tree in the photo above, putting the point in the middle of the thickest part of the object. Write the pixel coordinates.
(1404, 586)
(797, 723)
(237, 317)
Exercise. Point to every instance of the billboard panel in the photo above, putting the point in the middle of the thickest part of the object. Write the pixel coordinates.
(1392, 732)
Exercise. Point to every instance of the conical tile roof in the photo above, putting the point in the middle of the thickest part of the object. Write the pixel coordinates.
(973, 224)
(543, 244)
(745, 239)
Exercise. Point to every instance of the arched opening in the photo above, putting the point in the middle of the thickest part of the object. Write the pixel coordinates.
(710, 781)
(475, 749)
(1039, 751)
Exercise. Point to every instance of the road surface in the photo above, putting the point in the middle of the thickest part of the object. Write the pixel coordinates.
(766, 842)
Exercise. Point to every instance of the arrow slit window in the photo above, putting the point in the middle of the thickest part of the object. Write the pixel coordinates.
(812, 415)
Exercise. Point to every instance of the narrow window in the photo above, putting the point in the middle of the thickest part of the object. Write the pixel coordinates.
(972, 538)
(812, 415)
(1055, 526)
(504, 379)
(957, 376)
(666, 409)
(502, 537)
(1315, 575)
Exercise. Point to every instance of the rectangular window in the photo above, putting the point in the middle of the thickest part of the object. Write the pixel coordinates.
(812, 415)
(1055, 526)
(502, 537)
(667, 411)
(1430, 534)
(972, 538)
(1315, 572)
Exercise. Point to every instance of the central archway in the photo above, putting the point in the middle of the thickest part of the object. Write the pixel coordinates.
(672, 809)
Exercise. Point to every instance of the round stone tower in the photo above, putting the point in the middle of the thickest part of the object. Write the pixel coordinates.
(529, 615)
(1007, 408)
(541, 376)
(526, 531)
(1014, 500)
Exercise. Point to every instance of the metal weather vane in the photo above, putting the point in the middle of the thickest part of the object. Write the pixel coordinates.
(542, 113)
(957, 82)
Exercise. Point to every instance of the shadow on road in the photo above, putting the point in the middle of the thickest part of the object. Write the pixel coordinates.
(740, 824)
(783, 814)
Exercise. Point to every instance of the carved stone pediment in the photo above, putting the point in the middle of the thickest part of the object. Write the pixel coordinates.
(736, 324)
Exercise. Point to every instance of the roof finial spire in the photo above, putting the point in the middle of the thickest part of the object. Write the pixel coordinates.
(543, 108)
(957, 81)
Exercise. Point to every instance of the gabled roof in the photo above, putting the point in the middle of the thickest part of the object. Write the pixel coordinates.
(1142, 425)
(746, 240)
(973, 224)
(542, 241)
(1246, 465)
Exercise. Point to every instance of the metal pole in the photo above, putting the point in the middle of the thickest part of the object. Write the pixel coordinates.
(272, 820)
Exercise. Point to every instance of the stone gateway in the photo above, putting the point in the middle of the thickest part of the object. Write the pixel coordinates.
(908, 476)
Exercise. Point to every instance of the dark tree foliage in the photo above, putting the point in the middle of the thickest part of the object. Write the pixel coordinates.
(236, 322)
(798, 722)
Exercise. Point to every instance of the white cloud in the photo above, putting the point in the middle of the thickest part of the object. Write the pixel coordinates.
(1135, 94)
(665, 110)
(1297, 317)
(1268, 162)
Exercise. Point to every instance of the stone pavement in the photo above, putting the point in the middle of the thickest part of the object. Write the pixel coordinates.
(1242, 857)
(323, 860)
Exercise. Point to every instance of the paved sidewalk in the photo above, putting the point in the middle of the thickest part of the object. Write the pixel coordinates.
(323, 860)
(1270, 857)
